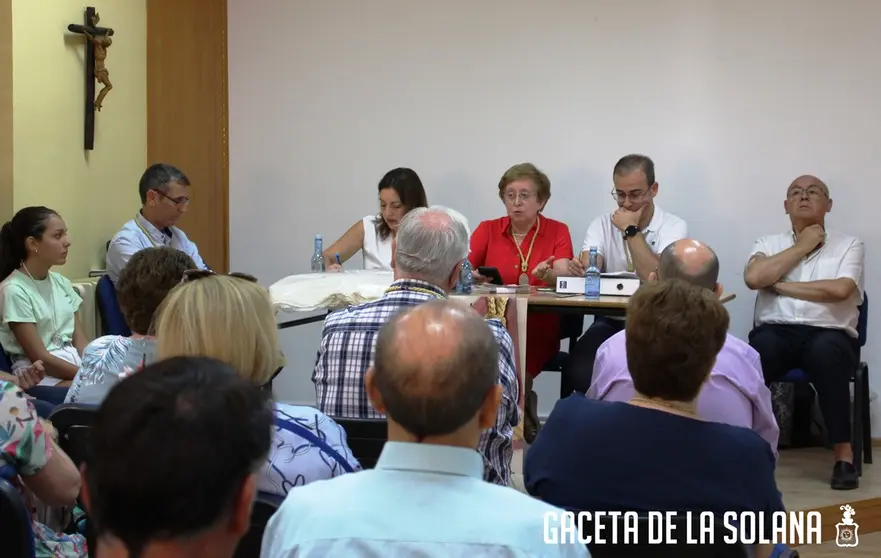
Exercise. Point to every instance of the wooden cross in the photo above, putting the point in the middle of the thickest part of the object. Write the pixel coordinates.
(96, 37)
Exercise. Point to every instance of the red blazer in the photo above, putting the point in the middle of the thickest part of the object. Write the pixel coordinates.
(493, 246)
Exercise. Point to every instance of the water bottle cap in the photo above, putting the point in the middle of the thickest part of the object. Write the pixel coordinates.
(317, 237)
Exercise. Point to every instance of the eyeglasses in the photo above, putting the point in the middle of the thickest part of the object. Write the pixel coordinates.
(175, 201)
(191, 275)
(811, 192)
(512, 197)
(619, 196)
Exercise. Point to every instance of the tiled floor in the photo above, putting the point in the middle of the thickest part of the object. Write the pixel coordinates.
(803, 477)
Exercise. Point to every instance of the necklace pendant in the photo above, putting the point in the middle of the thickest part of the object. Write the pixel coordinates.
(524, 279)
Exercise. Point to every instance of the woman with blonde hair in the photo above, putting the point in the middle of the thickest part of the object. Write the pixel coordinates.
(230, 318)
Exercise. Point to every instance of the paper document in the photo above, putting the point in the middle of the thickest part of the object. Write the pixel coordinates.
(621, 274)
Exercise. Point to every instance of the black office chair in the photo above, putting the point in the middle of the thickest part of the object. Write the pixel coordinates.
(18, 533)
(73, 422)
(642, 549)
(366, 438)
(265, 506)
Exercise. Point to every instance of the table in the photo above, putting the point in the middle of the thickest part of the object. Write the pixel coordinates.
(543, 302)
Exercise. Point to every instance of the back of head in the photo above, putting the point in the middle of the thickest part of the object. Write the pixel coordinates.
(158, 177)
(430, 244)
(27, 222)
(434, 366)
(226, 318)
(146, 280)
(674, 332)
(692, 261)
(172, 449)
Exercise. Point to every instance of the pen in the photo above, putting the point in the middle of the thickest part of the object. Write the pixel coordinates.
(338, 259)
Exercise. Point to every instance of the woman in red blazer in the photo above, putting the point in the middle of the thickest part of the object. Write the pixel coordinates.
(526, 248)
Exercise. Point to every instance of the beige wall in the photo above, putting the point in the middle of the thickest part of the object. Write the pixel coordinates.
(96, 191)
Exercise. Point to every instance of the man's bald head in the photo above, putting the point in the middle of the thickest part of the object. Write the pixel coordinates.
(435, 364)
(692, 261)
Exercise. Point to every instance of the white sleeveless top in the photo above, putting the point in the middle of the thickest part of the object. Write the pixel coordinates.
(377, 251)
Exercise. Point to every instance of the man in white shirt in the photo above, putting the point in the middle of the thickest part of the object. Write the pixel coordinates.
(810, 286)
(436, 377)
(165, 196)
(627, 240)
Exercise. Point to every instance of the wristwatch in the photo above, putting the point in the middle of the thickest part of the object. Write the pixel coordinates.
(631, 231)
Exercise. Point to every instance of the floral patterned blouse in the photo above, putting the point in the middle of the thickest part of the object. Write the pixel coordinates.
(25, 448)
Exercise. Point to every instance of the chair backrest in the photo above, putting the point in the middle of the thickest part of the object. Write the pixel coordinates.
(18, 534)
(73, 423)
(112, 320)
(366, 438)
(571, 325)
(863, 321)
(642, 549)
(265, 506)
(5, 363)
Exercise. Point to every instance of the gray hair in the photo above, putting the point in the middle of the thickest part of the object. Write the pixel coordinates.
(430, 243)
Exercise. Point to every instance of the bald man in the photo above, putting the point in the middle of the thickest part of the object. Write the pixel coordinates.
(735, 393)
(810, 286)
(436, 377)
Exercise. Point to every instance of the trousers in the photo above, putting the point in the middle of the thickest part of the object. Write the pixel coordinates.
(577, 373)
(828, 358)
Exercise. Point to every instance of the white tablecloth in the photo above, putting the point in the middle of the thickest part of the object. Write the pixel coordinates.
(308, 292)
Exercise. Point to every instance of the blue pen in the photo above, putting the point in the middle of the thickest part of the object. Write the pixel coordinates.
(338, 259)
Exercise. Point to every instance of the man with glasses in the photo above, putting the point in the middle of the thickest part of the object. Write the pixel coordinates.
(810, 286)
(628, 240)
(165, 192)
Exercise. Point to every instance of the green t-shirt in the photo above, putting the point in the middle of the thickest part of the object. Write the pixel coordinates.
(24, 300)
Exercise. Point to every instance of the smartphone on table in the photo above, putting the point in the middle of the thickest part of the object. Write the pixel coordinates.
(492, 273)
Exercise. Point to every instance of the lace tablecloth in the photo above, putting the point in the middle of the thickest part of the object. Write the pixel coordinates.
(308, 292)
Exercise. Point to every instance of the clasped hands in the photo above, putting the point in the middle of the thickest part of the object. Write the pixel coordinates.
(30, 376)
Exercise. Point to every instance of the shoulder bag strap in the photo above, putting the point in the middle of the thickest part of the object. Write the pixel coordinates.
(307, 434)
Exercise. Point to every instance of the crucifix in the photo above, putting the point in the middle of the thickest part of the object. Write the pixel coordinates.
(97, 42)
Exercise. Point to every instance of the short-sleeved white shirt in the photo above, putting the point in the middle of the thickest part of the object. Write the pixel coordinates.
(841, 256)
(663, 230)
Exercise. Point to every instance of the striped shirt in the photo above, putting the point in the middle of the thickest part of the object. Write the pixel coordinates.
(347, 350)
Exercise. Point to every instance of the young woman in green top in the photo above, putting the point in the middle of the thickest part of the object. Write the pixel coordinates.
(38, 307)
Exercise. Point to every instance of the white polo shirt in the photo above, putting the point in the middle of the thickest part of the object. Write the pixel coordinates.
(841, 256)
(663, 230)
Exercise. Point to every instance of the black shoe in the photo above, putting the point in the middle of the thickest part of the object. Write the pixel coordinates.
(531, 422)
(845, 476)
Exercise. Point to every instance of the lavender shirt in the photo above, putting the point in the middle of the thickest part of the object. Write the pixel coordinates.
(735, 393)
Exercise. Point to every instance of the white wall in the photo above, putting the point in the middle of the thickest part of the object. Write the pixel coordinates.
(732, 100)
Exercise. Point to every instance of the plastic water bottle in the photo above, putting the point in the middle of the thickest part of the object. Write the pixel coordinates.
(592, 277)
(466, 279)
(318, 255)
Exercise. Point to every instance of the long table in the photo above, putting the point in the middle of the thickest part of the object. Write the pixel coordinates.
(541, 302)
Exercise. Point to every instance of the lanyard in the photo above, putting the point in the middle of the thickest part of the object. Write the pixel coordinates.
(149, 236)
(524, 261)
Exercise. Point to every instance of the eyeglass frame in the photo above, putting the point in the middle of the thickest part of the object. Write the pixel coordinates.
(523, 197)
(798, 192)
(183, 200)
(633, 196)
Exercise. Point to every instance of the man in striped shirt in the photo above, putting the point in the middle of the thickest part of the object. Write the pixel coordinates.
(427, 254)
